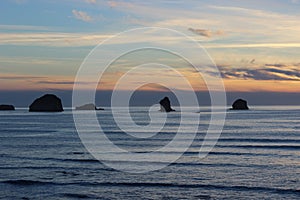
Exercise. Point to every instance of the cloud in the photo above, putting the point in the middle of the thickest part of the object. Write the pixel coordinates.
(39, 79)
(63, 82)
(206, 33)
(19, 77)
(253, 45)
(279, 72)
(24, 28)
(52, 39)
(242, 24)
(250, 12)
(81, 39)
(56, 82)
(62, 39)
(83, 16)
(38, 61)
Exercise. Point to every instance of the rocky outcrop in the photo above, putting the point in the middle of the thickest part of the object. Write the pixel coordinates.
(46, 103)
(165, 105)
(7, 107)
(240, 104)
(89, 106)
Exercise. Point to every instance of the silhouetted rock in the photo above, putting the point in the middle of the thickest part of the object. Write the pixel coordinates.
(89, 106)
(240, 104)
(165, 105)
(7, 107)
(46, 103)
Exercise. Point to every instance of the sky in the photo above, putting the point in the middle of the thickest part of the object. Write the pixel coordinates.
(254, 44)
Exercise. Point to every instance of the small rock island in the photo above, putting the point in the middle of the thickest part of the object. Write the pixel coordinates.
(240, 104)
(165, 105)
(46, 103)
(89, 106)
(6, 107)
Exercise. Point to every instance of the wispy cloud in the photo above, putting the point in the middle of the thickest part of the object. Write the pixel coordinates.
(206, 33)
(19, 77)
(52, 39)
(40, 81)
(244, 24)
(279, 72)
(81, 39)
(83, 16)
(254, 45)
(90, 39)
(24, 28)
(62, 82)
(31, 61)
(248, 11)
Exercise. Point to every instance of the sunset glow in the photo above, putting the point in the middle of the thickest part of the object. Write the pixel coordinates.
(255, 46)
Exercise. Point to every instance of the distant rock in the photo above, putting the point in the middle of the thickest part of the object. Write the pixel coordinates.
(165, 105)
(89, 106)
(240, 104)
(46, 103)
(7, 107)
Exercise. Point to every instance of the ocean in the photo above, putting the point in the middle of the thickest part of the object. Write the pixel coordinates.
(256, 157)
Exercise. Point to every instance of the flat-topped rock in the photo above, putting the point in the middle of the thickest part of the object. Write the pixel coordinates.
(165, 105)
(89, 106)
(6, 107)
(240, 104)
(46, 103)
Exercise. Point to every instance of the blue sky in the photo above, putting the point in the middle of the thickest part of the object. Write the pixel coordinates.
(255, 44)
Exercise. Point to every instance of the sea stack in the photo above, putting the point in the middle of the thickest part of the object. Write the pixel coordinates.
(46, 103)
(89, 106)
(165, 105)
(6, 107)
(240, 104)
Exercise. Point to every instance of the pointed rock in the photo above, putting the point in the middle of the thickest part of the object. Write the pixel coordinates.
(165, 105)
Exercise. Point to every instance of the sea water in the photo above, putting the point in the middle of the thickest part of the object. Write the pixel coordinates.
(257, 157)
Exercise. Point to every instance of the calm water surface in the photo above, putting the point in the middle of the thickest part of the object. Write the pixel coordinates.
(256, 157)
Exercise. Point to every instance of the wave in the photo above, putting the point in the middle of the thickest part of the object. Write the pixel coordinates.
(239, 153)
(219, 165)
(226, 153)
(155, 184)
(285, 147)
(187, 153)
(64, 170)
(77, 153)
(22, 182)
(261, 140)
(202, 186)
(50, 159)
(257, 140)
(22, 130)
(77, 196)
(25, 182)
(81, 160)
